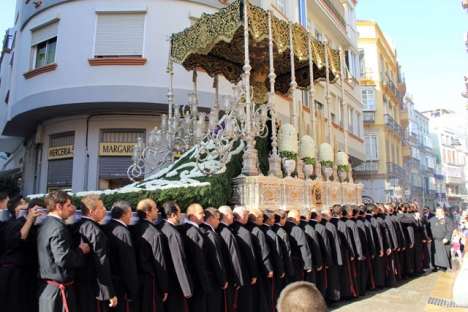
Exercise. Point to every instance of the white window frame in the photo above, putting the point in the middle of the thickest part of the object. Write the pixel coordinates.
(120, 33)
(368, 95)
(302, 6)
(44, 34)
(352, 63)
(371, 143)
(281, 6)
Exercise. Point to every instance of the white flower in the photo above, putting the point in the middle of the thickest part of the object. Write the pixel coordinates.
(307, 147)
(287, 139)
(341, 159)
(325, 152)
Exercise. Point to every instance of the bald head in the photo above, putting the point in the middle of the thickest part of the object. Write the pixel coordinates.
(195, 213)
(294, 216)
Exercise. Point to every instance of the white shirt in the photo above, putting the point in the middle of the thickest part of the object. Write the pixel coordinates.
(119, 222)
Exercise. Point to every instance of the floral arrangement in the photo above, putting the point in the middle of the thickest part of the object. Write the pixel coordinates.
(342, 161)
(325, 155)
(287, 141)
(307, 149)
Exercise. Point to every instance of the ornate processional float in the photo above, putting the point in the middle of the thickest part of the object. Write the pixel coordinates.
(260, 55)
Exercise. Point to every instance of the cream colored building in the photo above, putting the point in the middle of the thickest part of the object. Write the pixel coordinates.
(382, 174)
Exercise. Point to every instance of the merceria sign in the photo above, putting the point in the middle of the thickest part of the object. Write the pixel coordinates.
(59, 152)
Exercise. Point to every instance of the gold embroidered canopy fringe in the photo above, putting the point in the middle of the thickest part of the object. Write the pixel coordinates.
(216, 44)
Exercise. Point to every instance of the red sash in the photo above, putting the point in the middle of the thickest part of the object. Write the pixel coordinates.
(62, 290)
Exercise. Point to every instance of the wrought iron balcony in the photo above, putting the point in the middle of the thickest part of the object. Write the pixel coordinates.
(369, 117)
(367, 167)
(429, 192)
(428, 149)
(392, 86)
(422, 168)
(394, 169)
(440, 195)
(335, 9)
(390, 122)
(430, 170)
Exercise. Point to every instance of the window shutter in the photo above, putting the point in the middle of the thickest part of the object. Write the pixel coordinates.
(44, 33)
(119, 34)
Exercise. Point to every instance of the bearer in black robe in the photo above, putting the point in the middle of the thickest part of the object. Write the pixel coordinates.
(180, 281)
(314, 246)
(262, 298)
(58, 260)
(407, 220)
(347, 216)
(276, 254)
(367, 248)
(18, 263)
(441, 230)
(390, 233)
(300, 251)
(377, 264)
(122, 257)
(150, 255)
(280, 220)
(244, 238)
(420, 245)
(196, 252)
(237, 277)
(94, 290)
(215, 266)
(336, 263)
(346, 271)
(329, 271)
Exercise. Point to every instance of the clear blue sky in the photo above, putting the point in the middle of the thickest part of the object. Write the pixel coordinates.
(428, 36)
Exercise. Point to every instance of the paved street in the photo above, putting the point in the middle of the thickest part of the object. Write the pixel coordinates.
(410, 295)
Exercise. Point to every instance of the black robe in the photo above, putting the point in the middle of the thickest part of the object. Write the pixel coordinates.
(408, 226)
(180, 280)
(196, 252)
(301, 255)
(261, 298)
(93, 280)
(440, 229)
(367, 250)
(329, 273)
(58, 261)
(314, 246)
(249, 265)
(276, 255)
(346, 271)
(215, 267)
(286, 254)
(377, 264)
(390, 242)
(357, 246)
(18, 268)
(122, 266)
(233, 260)
(150, 255)
(336, 262)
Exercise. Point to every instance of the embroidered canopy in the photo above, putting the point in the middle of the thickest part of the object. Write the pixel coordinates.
(216, 44)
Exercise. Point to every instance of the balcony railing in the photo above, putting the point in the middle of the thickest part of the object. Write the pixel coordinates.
(390, 122)
(367, 167)
(416, 190)
(429, 192)
(454, 180)
(422, 168)
(428, 149)
(390, 83)
(440, 195)
(369, 117)
(335, 11)
(430, 170)
(394, 169)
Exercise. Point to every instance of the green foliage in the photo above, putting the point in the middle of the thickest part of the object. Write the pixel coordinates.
(343, 168)
(286, 154)
(10, 185)
(309, 160)
(262, 146)
(327, 163)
